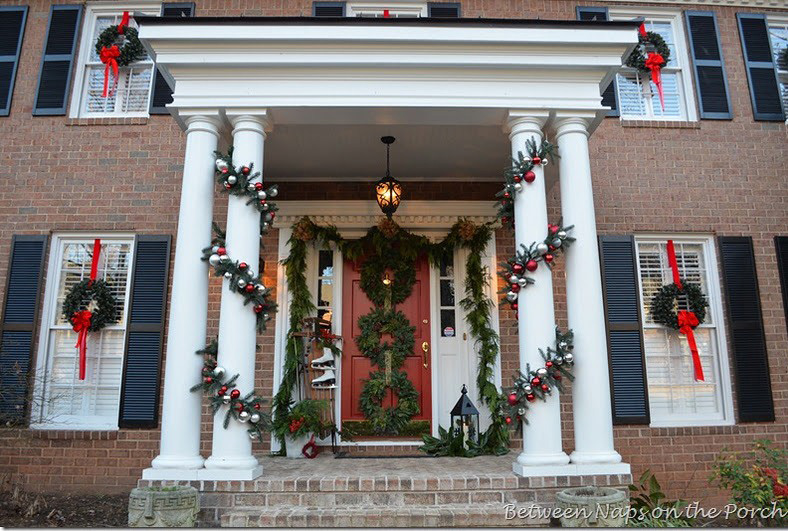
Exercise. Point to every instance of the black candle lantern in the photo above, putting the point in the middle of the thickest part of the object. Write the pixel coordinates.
(465, 419)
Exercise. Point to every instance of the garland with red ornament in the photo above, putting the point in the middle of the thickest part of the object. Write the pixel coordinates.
(118, 46)
(650, 55)
(521, 172)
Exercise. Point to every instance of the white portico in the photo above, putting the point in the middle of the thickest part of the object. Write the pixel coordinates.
(452, 85)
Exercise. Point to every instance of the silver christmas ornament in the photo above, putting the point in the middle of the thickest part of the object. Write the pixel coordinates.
(517, 187)
(241, 283)
(561, 234)
(215, 249)
(563, 345)
(269, 217)
(265, 206)
(232, 179)
(214, 260)
(255, 418)
(224, 258)
(558, 360)
(523, 282)
(541, 372)
(527, 160)
(527, 389)
(253, 435)
(266, 317)
(557, 243)
(514, 279)
(261, 194)
(568, 357)
(265, 225)
(260, 288)
(542, 248)
(218, 372)
(544, 162)
(521, 411)
(221, 164)
(273, 191)
(511, 296)
(250, 187)
(228, 275)
(243, 416)
(226, 399)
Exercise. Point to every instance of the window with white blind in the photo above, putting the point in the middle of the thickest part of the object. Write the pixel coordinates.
(65, 400)
(778, 33)
(637, 94)
(675, 398)
(130, 97)
(390, 9)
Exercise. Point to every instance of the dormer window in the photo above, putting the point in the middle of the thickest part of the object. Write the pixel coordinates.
(387, 9)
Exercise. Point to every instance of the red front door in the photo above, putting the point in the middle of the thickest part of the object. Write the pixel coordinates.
(356, 367)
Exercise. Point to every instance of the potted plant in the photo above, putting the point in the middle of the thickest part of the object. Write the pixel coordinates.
(297, 427)
(175, 506)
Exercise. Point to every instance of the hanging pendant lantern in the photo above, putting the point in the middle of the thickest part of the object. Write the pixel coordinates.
(388, 190)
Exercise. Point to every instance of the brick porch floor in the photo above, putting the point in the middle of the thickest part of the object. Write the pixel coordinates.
(382, 492)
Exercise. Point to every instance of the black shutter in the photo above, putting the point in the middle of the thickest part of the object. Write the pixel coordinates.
(628, 385)
(761, 72)
(609, 96)
(139, 395)
(753, 386)
(328, 9)
(781, 243)
(448, 10)
(711, 83)
(57, 62)
(22, 298)
(162, 93)
(12, 29)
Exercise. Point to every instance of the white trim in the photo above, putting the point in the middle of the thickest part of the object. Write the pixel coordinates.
(47, 323)
(94, 10)
(684, 66)
(763, 4)
(718, 318)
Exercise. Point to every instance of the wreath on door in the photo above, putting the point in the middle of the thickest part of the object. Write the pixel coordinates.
(389, 421)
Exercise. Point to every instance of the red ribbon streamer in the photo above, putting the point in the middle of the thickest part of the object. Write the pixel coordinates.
(642, 30)
(124, 22)
(80, 321)
(109, 56)
(655, 62)
(687, 321)
(310, 449)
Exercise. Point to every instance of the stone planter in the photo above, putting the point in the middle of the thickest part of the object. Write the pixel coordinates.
(164, 507)
(294, 446)
(592, 507)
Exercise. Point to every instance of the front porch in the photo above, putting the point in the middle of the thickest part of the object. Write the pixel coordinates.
(389, 492)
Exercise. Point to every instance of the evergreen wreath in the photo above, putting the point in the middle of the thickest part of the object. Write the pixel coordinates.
(637, 59)
(372, 277)
(389, 420)
(666, 300)
(95, 296)
(381, 321)
(130, 51)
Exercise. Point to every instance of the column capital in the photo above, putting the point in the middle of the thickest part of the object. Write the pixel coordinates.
(572, 124)
(256, 120)
(206, 123)
(526, 122)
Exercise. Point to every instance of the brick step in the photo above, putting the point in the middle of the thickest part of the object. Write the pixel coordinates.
(442, 516)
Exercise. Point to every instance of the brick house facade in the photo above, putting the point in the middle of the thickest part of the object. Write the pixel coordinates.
(71, 175)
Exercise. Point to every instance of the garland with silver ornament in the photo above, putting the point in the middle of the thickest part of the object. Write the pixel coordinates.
(521, 171)
(222, 392)
(539, 383)
(526, 260)
(242, 279)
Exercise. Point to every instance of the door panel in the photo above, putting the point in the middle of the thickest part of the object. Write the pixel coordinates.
(356, 367)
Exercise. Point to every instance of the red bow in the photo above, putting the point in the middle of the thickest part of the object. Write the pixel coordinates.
(124, 22)
(654, 63)
(687, 322)
(80, 322)
(310, 449)
(109, 56)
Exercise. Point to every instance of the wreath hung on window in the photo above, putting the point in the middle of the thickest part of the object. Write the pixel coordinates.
(389, 420)
(93, 296)
(637, 59)
(373, 271)
(118, 46)
(664, 304)
(392, 322)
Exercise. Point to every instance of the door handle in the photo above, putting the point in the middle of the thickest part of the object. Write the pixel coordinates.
(426, 348)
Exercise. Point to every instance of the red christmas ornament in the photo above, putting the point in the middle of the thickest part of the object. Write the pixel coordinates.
(551, 247)
(531, 265)
(227, 185)
(206, 370)
(536, 160)
(257, 406)
(243, 265)
(530, 397)
(245, 170)
(258, 308)
(221, 251)
(517, 178)
(239, 407)
(258, 186)
(262, 201)
(529, 176)
(507, 195)
(552, 228)
(235, 393)
(249, 288)
(225, 170)
(516, 315)
(505, 219)
(536, 381)
(548, 258)
(208, 379)
(545, 387)
(548, 364)
(557, 375)
(508, 420)
(517, 267)
(222, 390)
(515, 287)
(514, 306)
(512, 399)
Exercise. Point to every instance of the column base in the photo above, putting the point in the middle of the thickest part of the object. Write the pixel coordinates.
(173, 474)
(230, 474)
(592, 458)
(570, 470)
(187, 462)
(555, 459)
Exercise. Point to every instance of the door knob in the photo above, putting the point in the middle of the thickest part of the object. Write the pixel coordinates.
(426, 348)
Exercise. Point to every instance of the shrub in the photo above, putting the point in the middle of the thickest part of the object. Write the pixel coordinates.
(303, 418)
(651, 508)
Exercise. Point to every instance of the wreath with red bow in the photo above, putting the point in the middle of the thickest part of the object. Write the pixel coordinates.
(665, 302)
(653, 42)
(118, 46)
(90, 304)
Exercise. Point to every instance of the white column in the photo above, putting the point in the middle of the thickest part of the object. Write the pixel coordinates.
(231, 454)
(590, 391)
(536, 324)
(179, 455)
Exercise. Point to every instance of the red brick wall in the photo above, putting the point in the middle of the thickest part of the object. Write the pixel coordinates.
(724, 177)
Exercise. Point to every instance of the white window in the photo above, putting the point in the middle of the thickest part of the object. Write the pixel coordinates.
(391, 9)
(132, 93)
(65, 400)
(675, 398)
(778, 31)
(637, 94)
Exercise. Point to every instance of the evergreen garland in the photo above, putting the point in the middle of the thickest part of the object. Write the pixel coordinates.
(95, 296)
(389, 421)
(372, 278)
(520, 174)
(240, 182)
(666, 300)
(382, 321)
